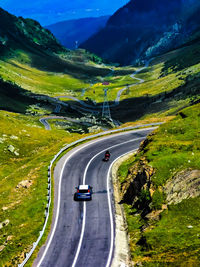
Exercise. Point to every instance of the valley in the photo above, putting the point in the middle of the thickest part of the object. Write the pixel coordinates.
(51, 96)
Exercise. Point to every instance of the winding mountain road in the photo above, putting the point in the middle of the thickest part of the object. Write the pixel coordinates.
(118, 94)
(47, 126)
(132, 76)
(86, 107)
(83, 234)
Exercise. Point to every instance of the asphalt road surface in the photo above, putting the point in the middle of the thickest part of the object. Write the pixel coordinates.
(83, 233)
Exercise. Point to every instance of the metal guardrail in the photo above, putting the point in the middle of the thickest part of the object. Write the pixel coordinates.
(49, 185)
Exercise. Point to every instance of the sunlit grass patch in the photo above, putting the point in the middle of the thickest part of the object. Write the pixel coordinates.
(38, 81)
(183, 145)
(175, 238)
(169, 237)
(25, 152)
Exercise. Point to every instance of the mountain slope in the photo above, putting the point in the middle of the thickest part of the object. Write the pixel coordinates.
(161, 193)
(35, 69)
(143, 29)
(32, 58)
(29, 43)
(171, 82)
(72, 31)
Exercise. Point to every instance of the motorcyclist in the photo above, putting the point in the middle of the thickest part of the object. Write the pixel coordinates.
(107, 154)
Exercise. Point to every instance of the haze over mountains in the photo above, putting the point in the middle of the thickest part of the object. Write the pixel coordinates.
(79, 30)
(142, 29)
(42, 81)
(50, 11)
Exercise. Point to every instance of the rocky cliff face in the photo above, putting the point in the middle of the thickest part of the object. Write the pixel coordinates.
(139, 190)
(143, 29)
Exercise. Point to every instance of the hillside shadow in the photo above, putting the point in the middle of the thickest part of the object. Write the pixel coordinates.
(135, 108)
(14, 98)
(45, 60)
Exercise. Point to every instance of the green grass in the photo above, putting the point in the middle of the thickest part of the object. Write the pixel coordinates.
(182, 149)
(124, 168)
(134, 223)
(172, 241)
(74, 77)
(24, 207)
(168, 241)
(155, 87)
(96, 92)
(170, 85)
(40, 82)
(38, 71)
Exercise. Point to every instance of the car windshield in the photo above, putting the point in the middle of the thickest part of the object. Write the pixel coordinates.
(83, 191)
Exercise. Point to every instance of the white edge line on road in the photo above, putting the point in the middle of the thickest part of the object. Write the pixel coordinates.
(60, 182)
(109, 204)
(110, 207)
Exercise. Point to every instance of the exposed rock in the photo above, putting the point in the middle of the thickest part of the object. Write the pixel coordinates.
(2, 140)
(11, 148)
(2, 248)
(185, 184)
(24, 184)
(10, 237)
(4, 223)
(94, 129)
(14, 137)
(155, 215)
(16, 153)
(12, 205)
(139, 178)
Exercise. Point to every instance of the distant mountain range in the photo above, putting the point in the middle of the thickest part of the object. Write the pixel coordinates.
(50, 11)
(71, 33)
(143, 29)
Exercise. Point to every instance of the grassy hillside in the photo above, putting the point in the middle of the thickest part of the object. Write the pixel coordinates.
(31, 57)
(34, 66)
(172, 82)
(163, 216)
(25, 152)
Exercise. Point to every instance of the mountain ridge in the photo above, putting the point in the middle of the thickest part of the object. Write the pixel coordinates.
(70, 31)
(139, 31)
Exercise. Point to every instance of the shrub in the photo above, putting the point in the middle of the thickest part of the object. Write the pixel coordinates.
(157, 200)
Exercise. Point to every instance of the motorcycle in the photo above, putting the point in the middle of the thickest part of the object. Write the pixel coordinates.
(106, 157)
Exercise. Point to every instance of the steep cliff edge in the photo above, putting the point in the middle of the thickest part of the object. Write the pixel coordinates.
(161, 194)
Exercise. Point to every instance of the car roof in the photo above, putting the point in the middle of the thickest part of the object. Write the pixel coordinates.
(83, 187)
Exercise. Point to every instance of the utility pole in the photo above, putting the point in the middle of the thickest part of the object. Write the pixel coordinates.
(106, 107)
(76, 44)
